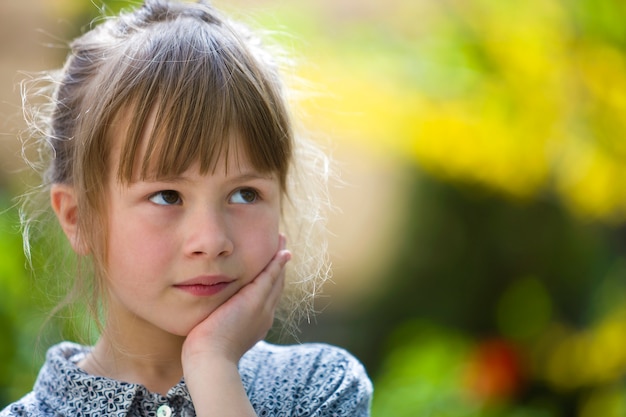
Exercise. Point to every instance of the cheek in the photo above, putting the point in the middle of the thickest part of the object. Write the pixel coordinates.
(262, 245)
(136, 244)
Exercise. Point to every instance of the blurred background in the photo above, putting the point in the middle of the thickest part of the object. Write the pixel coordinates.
(479, 241)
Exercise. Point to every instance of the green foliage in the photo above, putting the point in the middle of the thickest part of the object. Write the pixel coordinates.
(30, 291)
(17, 310)
(421, 374)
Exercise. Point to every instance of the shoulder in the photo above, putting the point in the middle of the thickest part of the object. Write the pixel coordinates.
(39, 402)
(311, 357)
(312, 379)
(28, 406)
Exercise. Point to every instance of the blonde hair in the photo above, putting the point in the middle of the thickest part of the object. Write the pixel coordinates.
(205, 76)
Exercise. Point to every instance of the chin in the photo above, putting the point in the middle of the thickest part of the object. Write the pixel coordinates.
(183, 328)
(179, 328)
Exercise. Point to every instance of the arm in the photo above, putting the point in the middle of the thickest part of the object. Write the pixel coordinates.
(212, 349)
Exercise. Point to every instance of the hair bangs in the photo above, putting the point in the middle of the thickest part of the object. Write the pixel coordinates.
(204, 94)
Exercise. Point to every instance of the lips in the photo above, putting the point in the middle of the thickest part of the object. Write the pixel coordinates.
(204, 285)
(206, 280)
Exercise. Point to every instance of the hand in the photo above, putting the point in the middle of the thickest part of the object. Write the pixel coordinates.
(244, 319)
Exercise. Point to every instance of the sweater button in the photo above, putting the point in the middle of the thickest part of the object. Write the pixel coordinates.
(164, 411)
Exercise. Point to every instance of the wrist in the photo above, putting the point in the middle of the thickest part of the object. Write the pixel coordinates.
(216, 388)
(209, 357)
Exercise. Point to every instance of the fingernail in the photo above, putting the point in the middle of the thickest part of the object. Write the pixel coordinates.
(285, 256)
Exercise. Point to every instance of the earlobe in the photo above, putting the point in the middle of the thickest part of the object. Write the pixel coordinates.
(65, 206)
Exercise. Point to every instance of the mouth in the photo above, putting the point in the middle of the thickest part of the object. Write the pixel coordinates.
(204, 286)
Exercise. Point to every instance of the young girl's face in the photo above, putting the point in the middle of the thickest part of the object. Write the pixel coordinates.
(178, 248)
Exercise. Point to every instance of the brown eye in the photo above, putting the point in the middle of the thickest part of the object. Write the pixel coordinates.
(244, 196)
(166, 198)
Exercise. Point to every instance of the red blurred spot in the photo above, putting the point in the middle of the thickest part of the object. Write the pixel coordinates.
(494, 371)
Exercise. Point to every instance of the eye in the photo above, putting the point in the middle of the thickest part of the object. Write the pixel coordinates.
(244, 196)
(166, 198)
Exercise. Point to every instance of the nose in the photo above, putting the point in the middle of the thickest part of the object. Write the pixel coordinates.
(208, 234)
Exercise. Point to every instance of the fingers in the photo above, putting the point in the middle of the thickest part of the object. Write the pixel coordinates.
(271, 281)
(278, 282)
(280, 260)
(275, 268)
(283, 255)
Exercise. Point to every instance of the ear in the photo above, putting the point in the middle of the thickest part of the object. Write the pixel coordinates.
(65, 206)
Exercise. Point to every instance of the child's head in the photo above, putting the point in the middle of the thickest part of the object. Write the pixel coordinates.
(203, 80)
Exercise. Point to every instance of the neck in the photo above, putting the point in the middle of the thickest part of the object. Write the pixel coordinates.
(141, 354)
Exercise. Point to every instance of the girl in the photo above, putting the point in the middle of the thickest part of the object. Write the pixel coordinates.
(173, 168)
